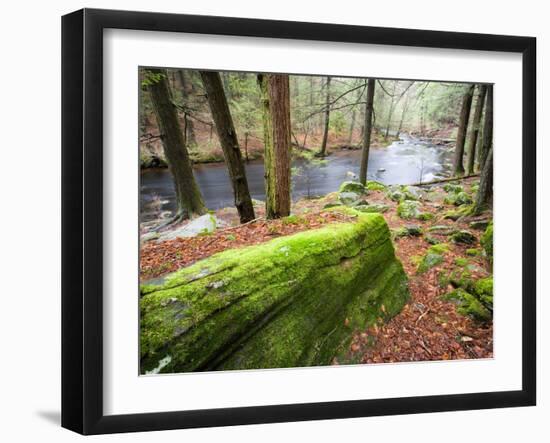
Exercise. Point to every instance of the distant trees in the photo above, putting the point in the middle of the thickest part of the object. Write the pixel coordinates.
(485, 191)
(487, 139)
(458, 165)
(275, 103)
(188, 197)
(229, 143)
(369, 107)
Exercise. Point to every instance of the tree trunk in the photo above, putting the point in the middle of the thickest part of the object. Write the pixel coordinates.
(188, 196)
(367, 133)
(487, 127)
(275, 100)
(473, 136)
(485, 191)
(351, 127)
(403, 114)
(187, 90)
(229, 143)
(323, 150)
(458, 166)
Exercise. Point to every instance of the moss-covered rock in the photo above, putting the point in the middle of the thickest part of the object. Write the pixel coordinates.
(454, 215)
(442, 229)
(453, 188)
(408, 231)
(468, 305)
(375, 186)
(463, 236)
(479, 224)
(350, 186)
(458, 199)
(433, 257)
(431, 240)
(375, 207)
(483, 288)
(408, 209)
(487, 241)
(348, 198)
(293, 301)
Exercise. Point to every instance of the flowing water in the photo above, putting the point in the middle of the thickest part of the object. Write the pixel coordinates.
(405, 161)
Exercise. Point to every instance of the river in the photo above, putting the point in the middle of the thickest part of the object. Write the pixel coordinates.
(405, 161)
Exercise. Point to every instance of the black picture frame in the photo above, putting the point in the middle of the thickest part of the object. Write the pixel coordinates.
(82, 218)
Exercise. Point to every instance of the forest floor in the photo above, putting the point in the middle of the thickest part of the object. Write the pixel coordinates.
(428, 328)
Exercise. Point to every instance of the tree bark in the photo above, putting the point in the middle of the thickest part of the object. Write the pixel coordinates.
(473, 136)
(187, 89)
(485, 191)
(487, 128)
(367, 133)
(323, 150)
(188, 196)
(275, 100)
(458, 166)
(229, 143)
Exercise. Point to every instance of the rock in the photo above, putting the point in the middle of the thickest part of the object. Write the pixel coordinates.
(463, 237)
(469, 305)
(395, 195)
(350, 186)
(149, 236)
(487, 242)
(375, 186)
(408, 209)
(462, 198)
(457, 213)
(381, 169)
(275, 308)
(431, 240)
(375, 207)
(331, 205)
(413, 192)
(409, 231)
(452, 188)
(348, 198)
(352, 175)
(479, 224)
(433, 257)
(201, 225)
(442, 229)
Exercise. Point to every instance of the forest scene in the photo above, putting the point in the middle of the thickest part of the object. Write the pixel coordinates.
(300, 220)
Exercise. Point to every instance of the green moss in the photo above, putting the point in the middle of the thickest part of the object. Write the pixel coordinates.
(455, 214)
(293, 301)
(473, 252)
(408, 231)
(440, 248)
(468, 305)
(350, 186)
(463, 237)
(458, 199)
(408, 209)
(374, 208)
(375, 186)
(425, 216)
(293, 220)
(452, 188)
(483, 288)
(461, 261)
(432, 240)
(487, 241)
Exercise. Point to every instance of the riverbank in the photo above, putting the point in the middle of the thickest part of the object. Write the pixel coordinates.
(443, 251)
(208, 151)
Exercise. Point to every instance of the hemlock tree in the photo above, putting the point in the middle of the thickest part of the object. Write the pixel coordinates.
(323, 150)
(367, 132)
(188, 197)
(458, 166)
(474, 132)
(485, 191)
(229, 143)
(275, 102)
(487, 139)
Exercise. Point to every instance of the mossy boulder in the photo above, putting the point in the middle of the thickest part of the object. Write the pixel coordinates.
(408, 209)
(456, 214)
(453, 188)
(348, 198)
(293, 301)
(375, 186)
(409, 231)
(433, 257)
(487, 241)
(479, 224)
(401, 193)
(442, 229)
(350, 186)
(370, 208)
(469, 305)
(463, 236)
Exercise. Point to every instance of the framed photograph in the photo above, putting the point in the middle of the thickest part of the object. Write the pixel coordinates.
(269, 221)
